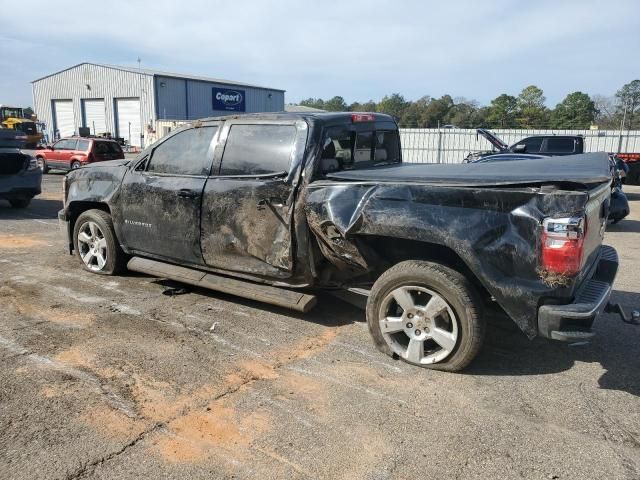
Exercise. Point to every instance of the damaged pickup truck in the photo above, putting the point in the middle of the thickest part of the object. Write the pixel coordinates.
(276, 206)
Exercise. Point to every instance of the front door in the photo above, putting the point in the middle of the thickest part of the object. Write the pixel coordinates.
(161, 196)
(62, 153)
(247, 208)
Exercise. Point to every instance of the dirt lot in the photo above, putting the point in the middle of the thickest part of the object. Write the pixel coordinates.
(106, 377)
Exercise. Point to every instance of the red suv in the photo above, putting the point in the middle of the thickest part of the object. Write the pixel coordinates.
(71, 153)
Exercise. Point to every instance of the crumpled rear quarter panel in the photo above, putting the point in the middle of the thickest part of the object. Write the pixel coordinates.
(494, 231)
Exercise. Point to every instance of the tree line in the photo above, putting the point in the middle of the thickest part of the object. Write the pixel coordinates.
(577, 110)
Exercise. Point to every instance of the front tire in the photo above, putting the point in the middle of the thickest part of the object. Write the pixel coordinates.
(426, 314)
(96, 245)
(20, 202)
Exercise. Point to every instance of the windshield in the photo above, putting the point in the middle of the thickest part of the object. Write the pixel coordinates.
(27, 127)
(8, 112)
(345, 149)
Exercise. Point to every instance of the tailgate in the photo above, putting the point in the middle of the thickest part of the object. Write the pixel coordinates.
(596, 213)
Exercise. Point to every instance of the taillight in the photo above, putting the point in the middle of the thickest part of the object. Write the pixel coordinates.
(562, 245)
(362, 117)
(33, 164)
(90, 157)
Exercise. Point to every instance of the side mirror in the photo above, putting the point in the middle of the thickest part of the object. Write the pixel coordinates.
(522, 148)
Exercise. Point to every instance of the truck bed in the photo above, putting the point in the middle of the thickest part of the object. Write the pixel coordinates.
(584, 169)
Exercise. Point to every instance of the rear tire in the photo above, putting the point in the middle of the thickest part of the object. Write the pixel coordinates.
(20, 202)
(437, 321)
(96, 245)
(75, 165)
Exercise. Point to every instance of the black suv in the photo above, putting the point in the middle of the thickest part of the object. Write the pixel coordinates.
(20, 177)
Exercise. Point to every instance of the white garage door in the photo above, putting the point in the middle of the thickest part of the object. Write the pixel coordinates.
(128, 116)
(94, 116)
(63, 119)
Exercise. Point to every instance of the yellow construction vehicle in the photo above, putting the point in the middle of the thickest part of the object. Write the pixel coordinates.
(15, 118)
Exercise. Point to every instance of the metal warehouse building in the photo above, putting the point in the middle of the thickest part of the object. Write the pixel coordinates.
(128, 102)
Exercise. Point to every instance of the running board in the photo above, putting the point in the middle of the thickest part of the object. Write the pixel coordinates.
(301, 302)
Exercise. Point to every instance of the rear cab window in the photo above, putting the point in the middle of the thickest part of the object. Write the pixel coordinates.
(350, 147)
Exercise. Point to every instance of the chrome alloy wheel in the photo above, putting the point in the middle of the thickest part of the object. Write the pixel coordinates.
(418, 324)
(92, 246)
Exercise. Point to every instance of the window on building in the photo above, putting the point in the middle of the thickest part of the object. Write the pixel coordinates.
(258, 149)
(186, 153)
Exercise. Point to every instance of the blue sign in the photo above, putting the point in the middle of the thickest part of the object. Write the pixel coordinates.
(231, 100)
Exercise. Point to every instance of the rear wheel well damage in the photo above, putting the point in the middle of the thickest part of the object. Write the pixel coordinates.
(391, 251)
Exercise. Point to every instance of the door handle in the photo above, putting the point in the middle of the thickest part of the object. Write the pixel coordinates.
(273, 201)
(186, 193)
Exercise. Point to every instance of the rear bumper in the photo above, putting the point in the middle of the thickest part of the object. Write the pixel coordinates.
(26, 184)
(572, 322)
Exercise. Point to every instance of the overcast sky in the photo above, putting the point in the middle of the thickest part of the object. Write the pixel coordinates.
(360, 50)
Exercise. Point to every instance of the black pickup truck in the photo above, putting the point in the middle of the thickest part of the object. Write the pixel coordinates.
(545, 145)
(277, 206)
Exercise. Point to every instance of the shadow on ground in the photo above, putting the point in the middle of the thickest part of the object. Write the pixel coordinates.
(329, 311)
(38, 208)
(507, 351)
(626, 225)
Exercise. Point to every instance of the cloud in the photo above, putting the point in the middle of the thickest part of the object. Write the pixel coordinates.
(358, 49)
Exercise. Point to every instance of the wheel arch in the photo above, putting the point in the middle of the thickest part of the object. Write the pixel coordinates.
(75, 209)
(391, 251)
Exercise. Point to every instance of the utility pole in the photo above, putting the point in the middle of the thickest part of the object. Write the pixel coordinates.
(140, 103)
(624, 119)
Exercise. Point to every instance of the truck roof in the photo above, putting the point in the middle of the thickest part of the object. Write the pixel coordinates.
(325, 117)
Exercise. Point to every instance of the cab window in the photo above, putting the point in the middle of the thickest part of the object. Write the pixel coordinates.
(258, 149)
(186, 153)
(344, 149)
(83, 145)
(560, 144)
(67, 144)
(532, 144)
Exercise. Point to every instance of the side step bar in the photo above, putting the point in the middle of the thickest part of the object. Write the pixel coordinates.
(281, 297)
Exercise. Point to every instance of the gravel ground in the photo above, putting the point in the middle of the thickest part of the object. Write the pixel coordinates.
(106, 377)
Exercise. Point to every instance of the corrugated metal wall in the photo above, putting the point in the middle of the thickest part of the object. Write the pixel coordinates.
(103, 82)
(432, 145)
(180, 99)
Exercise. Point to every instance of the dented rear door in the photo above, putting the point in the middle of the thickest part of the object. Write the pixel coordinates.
(247, 207)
